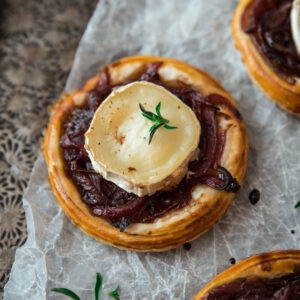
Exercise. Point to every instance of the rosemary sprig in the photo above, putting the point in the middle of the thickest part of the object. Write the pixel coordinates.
(98, 289)
(156, 118)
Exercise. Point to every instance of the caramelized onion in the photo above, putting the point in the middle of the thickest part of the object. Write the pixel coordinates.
(101, 90)
(151, 73)
(208, 139)
(222, 180)
(268, 23)
(257, 10)
(119, 211)
(219, 100)
(286, 287)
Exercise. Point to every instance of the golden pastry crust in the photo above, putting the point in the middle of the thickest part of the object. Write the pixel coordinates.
(174, 228)
(265, 265)
(284, 94)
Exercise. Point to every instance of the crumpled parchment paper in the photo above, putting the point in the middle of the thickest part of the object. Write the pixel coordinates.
(57, 253)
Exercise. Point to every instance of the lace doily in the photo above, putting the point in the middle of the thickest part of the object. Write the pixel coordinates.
(38, 40)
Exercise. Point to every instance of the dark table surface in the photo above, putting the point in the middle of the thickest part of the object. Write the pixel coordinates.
(38, 41)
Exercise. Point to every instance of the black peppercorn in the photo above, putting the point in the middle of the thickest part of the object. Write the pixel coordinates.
(187, 246)
(232, 260)
(254, 196)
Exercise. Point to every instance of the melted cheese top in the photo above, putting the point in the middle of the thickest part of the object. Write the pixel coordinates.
(117, 139)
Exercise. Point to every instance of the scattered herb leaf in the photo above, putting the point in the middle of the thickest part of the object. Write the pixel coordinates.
(297, 205)
(98, 286)
(97, 289)
(115, 294)
(65, 292)
(157, 119)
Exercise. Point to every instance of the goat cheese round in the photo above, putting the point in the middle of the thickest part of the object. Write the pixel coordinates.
(117, 140)
(295, 23)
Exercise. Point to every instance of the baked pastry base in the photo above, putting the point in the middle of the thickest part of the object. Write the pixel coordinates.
(175, 227)
(277, 89)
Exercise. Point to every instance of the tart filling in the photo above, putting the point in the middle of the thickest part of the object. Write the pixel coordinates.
(284, 287)
(107, 199)
(269, 25)
(117, 139)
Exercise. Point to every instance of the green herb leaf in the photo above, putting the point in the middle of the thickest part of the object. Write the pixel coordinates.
(170, 127)
(153, 131)
(65, 292)
(157, 108)
(153, 127)
(149, 113)
(115, 294)
(158, 120)
(146, 116)
(98, 286)
(297, 205)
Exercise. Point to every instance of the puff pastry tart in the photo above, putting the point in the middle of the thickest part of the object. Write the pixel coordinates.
(267, 276)
(147, 155)
(267, 33)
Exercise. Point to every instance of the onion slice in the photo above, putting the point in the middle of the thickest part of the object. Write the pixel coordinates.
(120, 211)
(222, 181)
(208, 140)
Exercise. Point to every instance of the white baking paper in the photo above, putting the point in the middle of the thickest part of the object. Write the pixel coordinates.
(57, 253)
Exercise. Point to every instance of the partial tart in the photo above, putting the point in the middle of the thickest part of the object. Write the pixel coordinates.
(170, 217)
(271, 275)
(263, 34)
